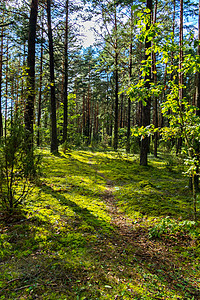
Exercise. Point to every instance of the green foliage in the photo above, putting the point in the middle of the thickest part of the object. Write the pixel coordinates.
(84, 236)
(170, 226)
(18, 165)
(183, 120)
(73, 136)
(134, 141)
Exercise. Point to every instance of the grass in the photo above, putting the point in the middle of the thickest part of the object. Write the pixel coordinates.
(100, 226)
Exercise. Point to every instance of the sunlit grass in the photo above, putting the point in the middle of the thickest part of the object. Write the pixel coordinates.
(67, 247)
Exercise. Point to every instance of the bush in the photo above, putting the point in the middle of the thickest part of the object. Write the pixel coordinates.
(18, 166)
(170, 226)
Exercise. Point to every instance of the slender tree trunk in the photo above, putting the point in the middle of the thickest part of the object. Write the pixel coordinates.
(29, 107)
(139, 104)
(6, 97)
(144, 145)
(179, 141)
(181, 52)
(17, 85)
(155, 98)
(91, 118)
(22, 104)
(84, 116)
(40, 89)
(88, 106)
(65, 124)
(97, 122)
(54, 142)
(173, 31)
(1, 67)
(128, 145)
(107, 104)
(12, 97)
(124, 124)
(111, 120)
(121, 111)
(198, 73)
(116, 87)
(197, 150)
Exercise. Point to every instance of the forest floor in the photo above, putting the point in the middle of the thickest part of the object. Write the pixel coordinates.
(100, 226)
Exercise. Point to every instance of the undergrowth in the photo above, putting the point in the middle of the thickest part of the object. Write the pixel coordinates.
(65, 244)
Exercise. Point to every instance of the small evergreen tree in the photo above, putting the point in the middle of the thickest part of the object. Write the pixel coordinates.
(18, 166)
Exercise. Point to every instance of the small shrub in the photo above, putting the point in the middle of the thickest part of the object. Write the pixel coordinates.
(18, 166)
(169, 226)
(65, 147)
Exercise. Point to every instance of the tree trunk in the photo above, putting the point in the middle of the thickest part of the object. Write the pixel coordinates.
(116, 88)
(84, 116)
(121, 111)
(6, 97)
(40, 89)
(179, 142)
(197, 150)
(88, 113)
(155, 97)
(1, 67)
(128, 145)
(181, 52)
(173, 31)
(54, 142)
(144, 145)
(22, 101)
(29, 106)
(198, 73)
(65, 123)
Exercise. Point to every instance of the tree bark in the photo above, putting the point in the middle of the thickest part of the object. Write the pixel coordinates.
(40, 89)
(54, 142)
(116, 88)
(1, 67)
(121, 111)
(128, 145)
(88, 107)
(65, 123)
(197, 150)
(84, 116)
(144, 145)
(181, 53)
(29, 106)
(198, 73)
(180, 79)
(155, 98)
(6, 97)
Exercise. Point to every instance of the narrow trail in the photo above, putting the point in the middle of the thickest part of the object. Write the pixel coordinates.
(119, 219)
(134, 234)
(131, 239)
(127, 231)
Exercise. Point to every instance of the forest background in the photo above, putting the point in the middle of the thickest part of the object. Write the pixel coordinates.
(140, 80)
(99, 150)
(100, 91)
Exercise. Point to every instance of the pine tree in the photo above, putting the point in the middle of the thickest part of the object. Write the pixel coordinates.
(29, 108)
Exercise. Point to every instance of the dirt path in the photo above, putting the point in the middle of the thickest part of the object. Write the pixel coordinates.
(131, 245)
(119, 219)
(134, 235)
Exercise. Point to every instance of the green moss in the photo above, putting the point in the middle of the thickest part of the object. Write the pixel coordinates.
(67, 246)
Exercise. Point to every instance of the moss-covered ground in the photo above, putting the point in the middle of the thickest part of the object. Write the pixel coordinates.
(100, 226)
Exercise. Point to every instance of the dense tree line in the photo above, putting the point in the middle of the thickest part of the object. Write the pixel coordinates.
(72, 95)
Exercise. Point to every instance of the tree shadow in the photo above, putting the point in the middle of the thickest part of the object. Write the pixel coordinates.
(83, 213)
(153, 190)
(111, 264)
